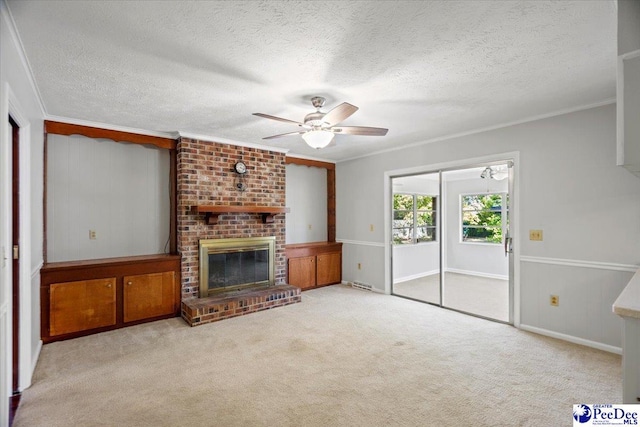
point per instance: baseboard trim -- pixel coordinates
(570, 338)
(416, 276)
(477, 273)
(34, 362)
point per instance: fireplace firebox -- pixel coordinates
(234, 264)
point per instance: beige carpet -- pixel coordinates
(472, 294)
(342, 357)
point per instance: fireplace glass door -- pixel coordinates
(232, 264)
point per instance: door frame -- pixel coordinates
(431, 168)
(10, 105)
(15, 267)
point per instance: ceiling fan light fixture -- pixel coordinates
(317, 138)
(499, 175)
(491, 173)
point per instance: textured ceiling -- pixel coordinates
(423, 69)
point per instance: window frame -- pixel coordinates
(415, 226)
(504, 217)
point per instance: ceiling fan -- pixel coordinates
(319, 128)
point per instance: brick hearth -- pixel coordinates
(198, 311)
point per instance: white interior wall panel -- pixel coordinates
(586, 296)
(119, 190)
(415, 261)
(306, 194)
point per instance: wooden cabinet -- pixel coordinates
(310, 265)
(329, 268)
(85, 297)
(302, 272)
(149, 295)
(84, 304)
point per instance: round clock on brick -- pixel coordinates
(240, 168)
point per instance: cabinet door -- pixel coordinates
(302, 272)
(82, 305)
(329, 268)
(149, 295)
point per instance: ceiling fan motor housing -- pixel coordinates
(315, 119)
(318, 102)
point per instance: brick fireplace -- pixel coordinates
(205, 176)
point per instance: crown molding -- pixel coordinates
(17, 41)
(489, 128)
(316, 159)
(231, 142)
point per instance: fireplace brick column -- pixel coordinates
(205, 177)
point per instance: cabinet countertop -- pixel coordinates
(628, 303)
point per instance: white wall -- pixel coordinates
(570, 187)
(415, 261)
(306, 193)
(18, 96)
(119, 190)
(484, 259)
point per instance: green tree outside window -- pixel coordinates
(482, 217)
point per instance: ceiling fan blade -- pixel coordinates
(285, 134)
(360, 130)
(340, 113)
(280, 119)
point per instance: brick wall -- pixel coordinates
(205, 177)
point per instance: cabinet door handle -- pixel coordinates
(108, 285)
(128, 283)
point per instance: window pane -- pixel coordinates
(403, 215)
(478, 202)
(402, 235)
(403, 202)
(426, 234)
(426, 218)
(482, 218)
(404, 220)
(482, 234)
(424, 202)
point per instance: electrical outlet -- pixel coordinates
(359, 266)
(92, 235)
(554, 300)
(535, 235)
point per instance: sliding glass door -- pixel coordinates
(416, 237)
(451, 239)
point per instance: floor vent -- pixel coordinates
(360, 285)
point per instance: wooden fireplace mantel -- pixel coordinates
(212, 212)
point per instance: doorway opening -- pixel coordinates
(451, 239)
